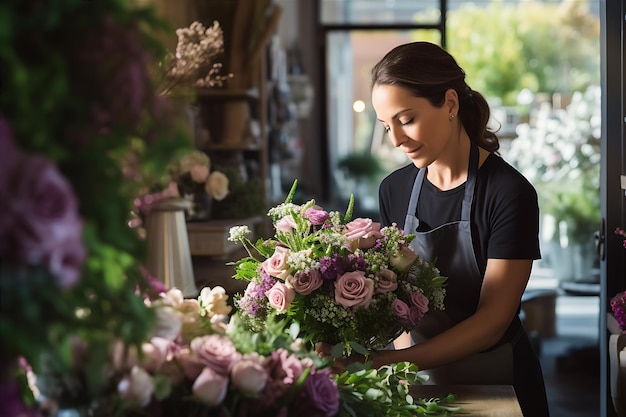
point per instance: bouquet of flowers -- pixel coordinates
(199, 361)
(192, 173)
(344, 281)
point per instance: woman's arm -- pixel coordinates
(504, 283)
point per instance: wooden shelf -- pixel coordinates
(247, 145)
(234, 94)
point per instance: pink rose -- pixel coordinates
(199, 173)
(216, 352)
(286, 224)
(419, 300)
(210, 387)
(280, 297)
(306, 282)
(363, 231)
(155, 353)
(284, 367)
(249, 376)
(387, 281)
(316, 215)
(353, 289)
(400, 309)
(403, 260)
(276, 265)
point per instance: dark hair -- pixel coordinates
(428, 71)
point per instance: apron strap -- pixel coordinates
(470, 185)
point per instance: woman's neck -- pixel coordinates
(450, 169)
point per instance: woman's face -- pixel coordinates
(413, 124)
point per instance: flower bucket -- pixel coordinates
(169, 257)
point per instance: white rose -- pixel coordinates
(168, 324)
(136, 387)
(249, 376)
(210, 387)
(217, 185)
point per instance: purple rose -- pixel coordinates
(316, 215)
(41, 220)
(216, 352)
(66, 260)
(320, 394)
(419, 300)
(415, 315)
(401, 310)
(306, 282)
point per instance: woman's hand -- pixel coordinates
(340, 364)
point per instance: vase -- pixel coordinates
(200, 204)
(169, 256)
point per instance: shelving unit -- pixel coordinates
(236, 120)
(237, 141)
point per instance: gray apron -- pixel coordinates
(450, 247)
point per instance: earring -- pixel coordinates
(452, 116)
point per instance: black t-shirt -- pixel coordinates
(505, 212)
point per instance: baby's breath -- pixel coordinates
(238, 233)
(283, 210)
(302, 261)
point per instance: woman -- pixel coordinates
(472, 213)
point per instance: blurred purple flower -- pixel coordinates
(41, 220)
(320, 395)
(618, 306)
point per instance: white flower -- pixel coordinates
(213, 301)
(136, 387)
(217, 185)
(169, 323)
(238, 233)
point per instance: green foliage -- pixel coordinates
(504, 48)
(244, 199)
(361, 165)
(76, 87)
(385, 391)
